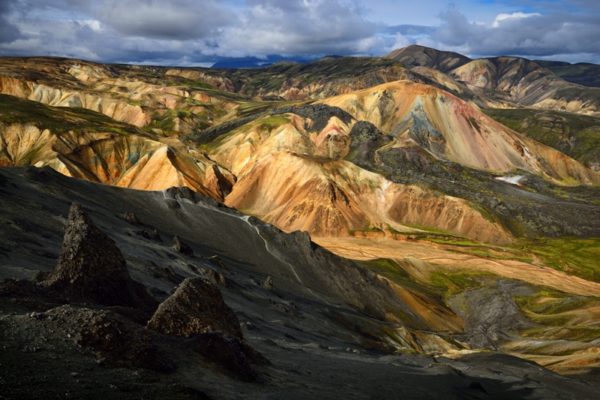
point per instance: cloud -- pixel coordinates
(503, 17)
(407, 29)
(9, 32)
(175, 19)
(192, 30)
(299, 27)
(518, 33)
(200, 31)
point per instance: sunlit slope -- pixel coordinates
(146, 97)
(292, 173)
(525, 82)
(453, 129)
(507, 81)
(86, 145)
(515, 299)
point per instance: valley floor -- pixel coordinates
(453, 258)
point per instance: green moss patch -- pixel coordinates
(576, 256)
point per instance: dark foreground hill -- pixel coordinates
(317, 319)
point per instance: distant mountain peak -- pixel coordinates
(421, 56)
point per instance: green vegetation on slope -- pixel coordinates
(461, 245)
(575, 256)
(581, 73)
(272, 79)
(451, 283)
(561, 316)
(59, 119)
(274, 121)
(580, 257)
(441, 284)
(575, 135)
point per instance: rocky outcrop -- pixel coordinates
(196, 307)
(182, 247)
(111, 336)
(92, 269)
(197, 311)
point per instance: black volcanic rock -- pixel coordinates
(112, 336)
(213, 276)
(230, 353)
(182, 247)
(320, 114)
(268, 283)
(130, 217)
(149, 233)
(366, 139)
(91, 267)
(196, 307)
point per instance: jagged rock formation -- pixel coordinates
(92, 269)
(213, 276)
(196, 307)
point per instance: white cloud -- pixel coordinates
(502, 17)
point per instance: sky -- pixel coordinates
(202, 32)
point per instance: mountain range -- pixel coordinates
(420, 213)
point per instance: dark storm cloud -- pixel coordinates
(176, 19)
(9, 32)
(156, 19)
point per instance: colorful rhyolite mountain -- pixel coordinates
(441, 174)
(278, 162)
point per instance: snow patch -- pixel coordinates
(512, 179)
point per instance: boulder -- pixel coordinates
(196, 307)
